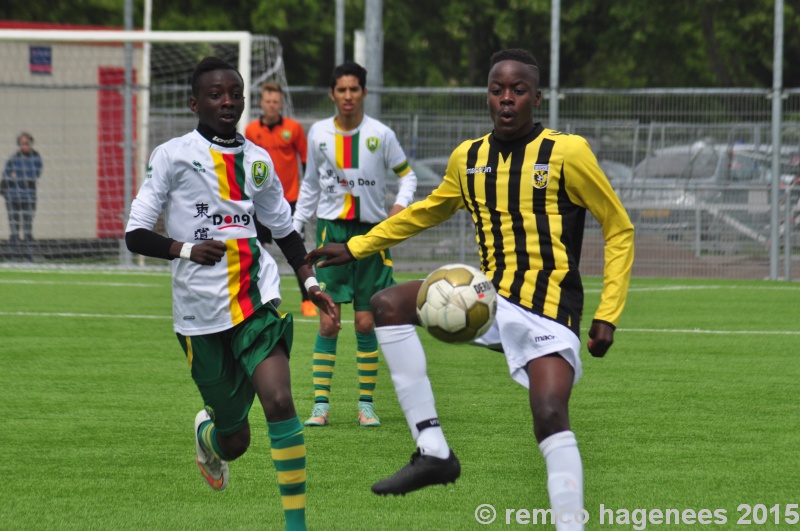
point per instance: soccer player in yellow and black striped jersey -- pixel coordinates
(527, 189)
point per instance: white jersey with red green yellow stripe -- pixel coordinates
(211, 192)
(345, 177)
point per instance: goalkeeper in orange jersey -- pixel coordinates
(528, 189)
(284, 140)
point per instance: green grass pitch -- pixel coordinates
(695, 407)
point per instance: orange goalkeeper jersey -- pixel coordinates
(284, 141)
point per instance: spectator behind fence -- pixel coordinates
(18, 186)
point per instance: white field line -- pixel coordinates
(788, 287)
(88, 270)
(59, 283)
(720, 332)
(122, 316)
(293, 287)
(348, 321)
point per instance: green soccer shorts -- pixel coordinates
(357, 281)
(223, 363)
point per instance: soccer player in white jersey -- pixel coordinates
(211, 183)
(344, 184)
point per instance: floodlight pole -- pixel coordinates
(125, 256)
(555, 39)
(339, 32)
(777, 82)
(373, 28)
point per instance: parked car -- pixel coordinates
(703, 161)
(618, 174)
(728, 184)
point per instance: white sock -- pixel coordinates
(408, 367)
(564, 479)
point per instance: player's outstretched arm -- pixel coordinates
(601, 337)
(322, 300)
(334, 254)
(294, 250)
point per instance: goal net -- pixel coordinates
(96, 103)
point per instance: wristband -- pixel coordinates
(310, 283)
(186, 251)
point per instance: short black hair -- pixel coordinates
(514, 54)
(349, 68)
(209, 64)
(24, 134)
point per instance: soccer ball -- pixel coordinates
(456, 303)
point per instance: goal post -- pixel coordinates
(96, 115)
(242, 38)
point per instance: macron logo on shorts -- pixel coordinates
(540, 339)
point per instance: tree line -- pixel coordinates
(608, 44)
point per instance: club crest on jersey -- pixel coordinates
(373, 144)
(541, 175)
(260, 172)
(286, 135)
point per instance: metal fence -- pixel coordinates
(716, 228)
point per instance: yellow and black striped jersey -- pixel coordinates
(528, 199)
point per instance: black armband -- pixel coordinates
(294, 249)
(148, 243)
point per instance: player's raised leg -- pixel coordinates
(212, 467)
(225, 436)
(433, 462)
(551, 378)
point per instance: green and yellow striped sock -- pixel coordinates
(288, 450)
(322, 367)
(208, 438)
(367, 363)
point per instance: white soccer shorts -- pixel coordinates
(525, 336)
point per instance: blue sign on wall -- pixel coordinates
(41, 60)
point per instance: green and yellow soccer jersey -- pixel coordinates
(345, 177)
(210, 192)
(528, 200)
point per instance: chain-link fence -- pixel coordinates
(692, 166)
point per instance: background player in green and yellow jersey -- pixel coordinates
(349, 156)
(528, 189)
